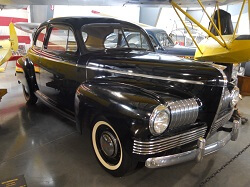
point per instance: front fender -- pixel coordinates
(127, 107)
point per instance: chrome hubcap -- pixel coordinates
(108, 144)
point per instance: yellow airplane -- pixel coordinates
(218, 47)
(6, 46)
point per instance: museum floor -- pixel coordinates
(44, 147)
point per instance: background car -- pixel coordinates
(159, 39)
(164, 44)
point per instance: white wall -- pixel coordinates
(130, 13)
(168, 20)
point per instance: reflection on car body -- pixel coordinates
(140, 106)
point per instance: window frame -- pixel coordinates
(170, 41)
(49, 30)
(119, 25)
(38, 33)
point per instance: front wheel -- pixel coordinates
(29, 97)
(109, 151)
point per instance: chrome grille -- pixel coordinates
(183, 112)
(221, 121)
(157, 146)
(224, 105)
(226, 100)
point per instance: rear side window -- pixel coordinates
(40, 38)
(62, 39)
(113, 36)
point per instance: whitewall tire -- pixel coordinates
(109, 150)
(107, 165)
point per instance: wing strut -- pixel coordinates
(197, 23)
(218, 14)
(187, 30)
(249, 16)
(211, 21)
(210, 25)
(237, 24)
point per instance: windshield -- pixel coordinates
(164, 39)
(100, 37)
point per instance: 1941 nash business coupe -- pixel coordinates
(138, 105)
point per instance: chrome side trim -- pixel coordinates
(157, 146)
(144, 75)
(196, 154)
(183, 112)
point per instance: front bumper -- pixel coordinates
(196, 154)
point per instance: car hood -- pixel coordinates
(157, 66)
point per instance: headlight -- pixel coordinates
(159, 120)
(235, 95)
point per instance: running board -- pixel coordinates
(47, 101)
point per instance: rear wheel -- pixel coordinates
(29, 96)
(108, 149)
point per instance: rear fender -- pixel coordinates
(28, 77)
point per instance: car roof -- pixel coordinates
(155, 30)
(79, 21)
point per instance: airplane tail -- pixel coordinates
(13, 37)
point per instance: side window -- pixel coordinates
(71, 43)
(137, 40)
(62, 40)
(153, 41)
(111, 40)
(40, 38)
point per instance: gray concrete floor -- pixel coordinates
(44, 147)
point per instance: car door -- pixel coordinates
(58, 59)
(35, 50)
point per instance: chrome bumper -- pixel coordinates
(196, 154)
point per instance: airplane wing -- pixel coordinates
(13, 37)
(27, 27)
(6, 46)
(185, 3)
(5, 51)
(2, 6)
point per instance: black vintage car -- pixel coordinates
(140, 106)
(164, 44)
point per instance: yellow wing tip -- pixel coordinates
(13, 37)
